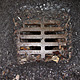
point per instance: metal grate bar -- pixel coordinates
(40, 36)
(29, 44)
(30, 36)
(42, 28)
(36, 51)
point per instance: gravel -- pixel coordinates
(9, 68)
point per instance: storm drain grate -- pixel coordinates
(41, 38)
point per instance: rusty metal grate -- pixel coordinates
(40, 38)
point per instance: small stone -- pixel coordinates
(63, 9)
(74, 64)
(36, 6)
(66, 75)
(76, 33)
(7, 52)
(0, 67)
(24, 6)
(46, 8)
(40, 6)
(20, 7)
(3, 72)
(42, 9)
(50, 71)
(19, 18)
(68, 10)
(43, 4)
(78, 72)
(24, 59)
(55, 5)
(58, 7)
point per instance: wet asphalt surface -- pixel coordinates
(9, 67)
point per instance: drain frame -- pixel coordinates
(42, 36)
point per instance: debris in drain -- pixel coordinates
(41, 36)
(25, 48)
(15, 23)
(48, 58)
(52, 58)
(3, 72)
(24, 59)
(38, 57)
(55, 58)
(59, 46)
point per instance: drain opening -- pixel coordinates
(53, 32)
(30, 33)
(53, 47)
(51, 25)
(30, 48)
(54, 40)
(32, 25)
(30, 40)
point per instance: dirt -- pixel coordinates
(9, 67)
